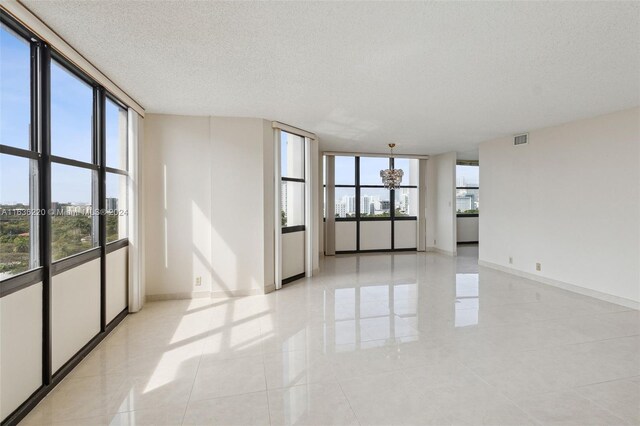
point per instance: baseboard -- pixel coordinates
(177, 296)
(445, 252)
(564, 285)
(209, 294)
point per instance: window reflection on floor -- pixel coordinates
(467, 300)
(374, 312)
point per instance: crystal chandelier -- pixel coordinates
(391, 178)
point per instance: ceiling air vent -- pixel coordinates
(521, 139)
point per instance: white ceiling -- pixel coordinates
(432, 77)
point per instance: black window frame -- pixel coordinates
(358, 218)
(294, 228)
(111, 245)
(42, 55)
(468, 187)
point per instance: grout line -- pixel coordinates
(266, 388)
(348, 402)
(507, 397)
(596, 403)
(195, 376)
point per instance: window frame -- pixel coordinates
(31, 276)
(112, 98)
(358, 218)
(42, 57)
(39, 149)
(294, 228)
(475, 164)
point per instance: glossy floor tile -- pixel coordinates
(411, 338)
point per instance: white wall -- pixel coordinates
(441, 214)
(75, 310)
(242, 213)
(569, 200)
(20, 347)
(292, 254)
(467, 229)
(177, 188)
(345, 236)
(405, 234)
(375, 235)
(208, 205)
(117, 271)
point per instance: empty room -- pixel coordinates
(319, 213)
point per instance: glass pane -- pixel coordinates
(410, 168)
(406, 202)
(345, 170)
(18, 220)
(467, 176)
(467, 201)
(345, 202)
(292, 202)
(291, 155)
(72, 222)
(15, 86)
(116, 135)
(375, 202)
(71, 115)
(116, 206)
(370, 170)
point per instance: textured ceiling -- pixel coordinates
(431, 77)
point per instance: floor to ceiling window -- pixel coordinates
(18, 159)
(292, 200)
(63, 215)
(467, 201)
(370, 217)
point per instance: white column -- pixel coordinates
(422, 206)
(135, 207)
(278, 207)
(330, 225)
(308, 207)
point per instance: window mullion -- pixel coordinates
(41, 104)
(100, 158)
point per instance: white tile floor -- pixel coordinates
(374, 339)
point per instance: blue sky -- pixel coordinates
(71, 121)
(469, 173)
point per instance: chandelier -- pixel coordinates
(391, 178)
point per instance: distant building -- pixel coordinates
(283, 196)
(112, 204)
(365, 204)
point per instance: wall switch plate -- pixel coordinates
(538, 266)
(198, 281)
(510, 260)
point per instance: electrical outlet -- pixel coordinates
(198, 281)
(538, 267)
(510, 260)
